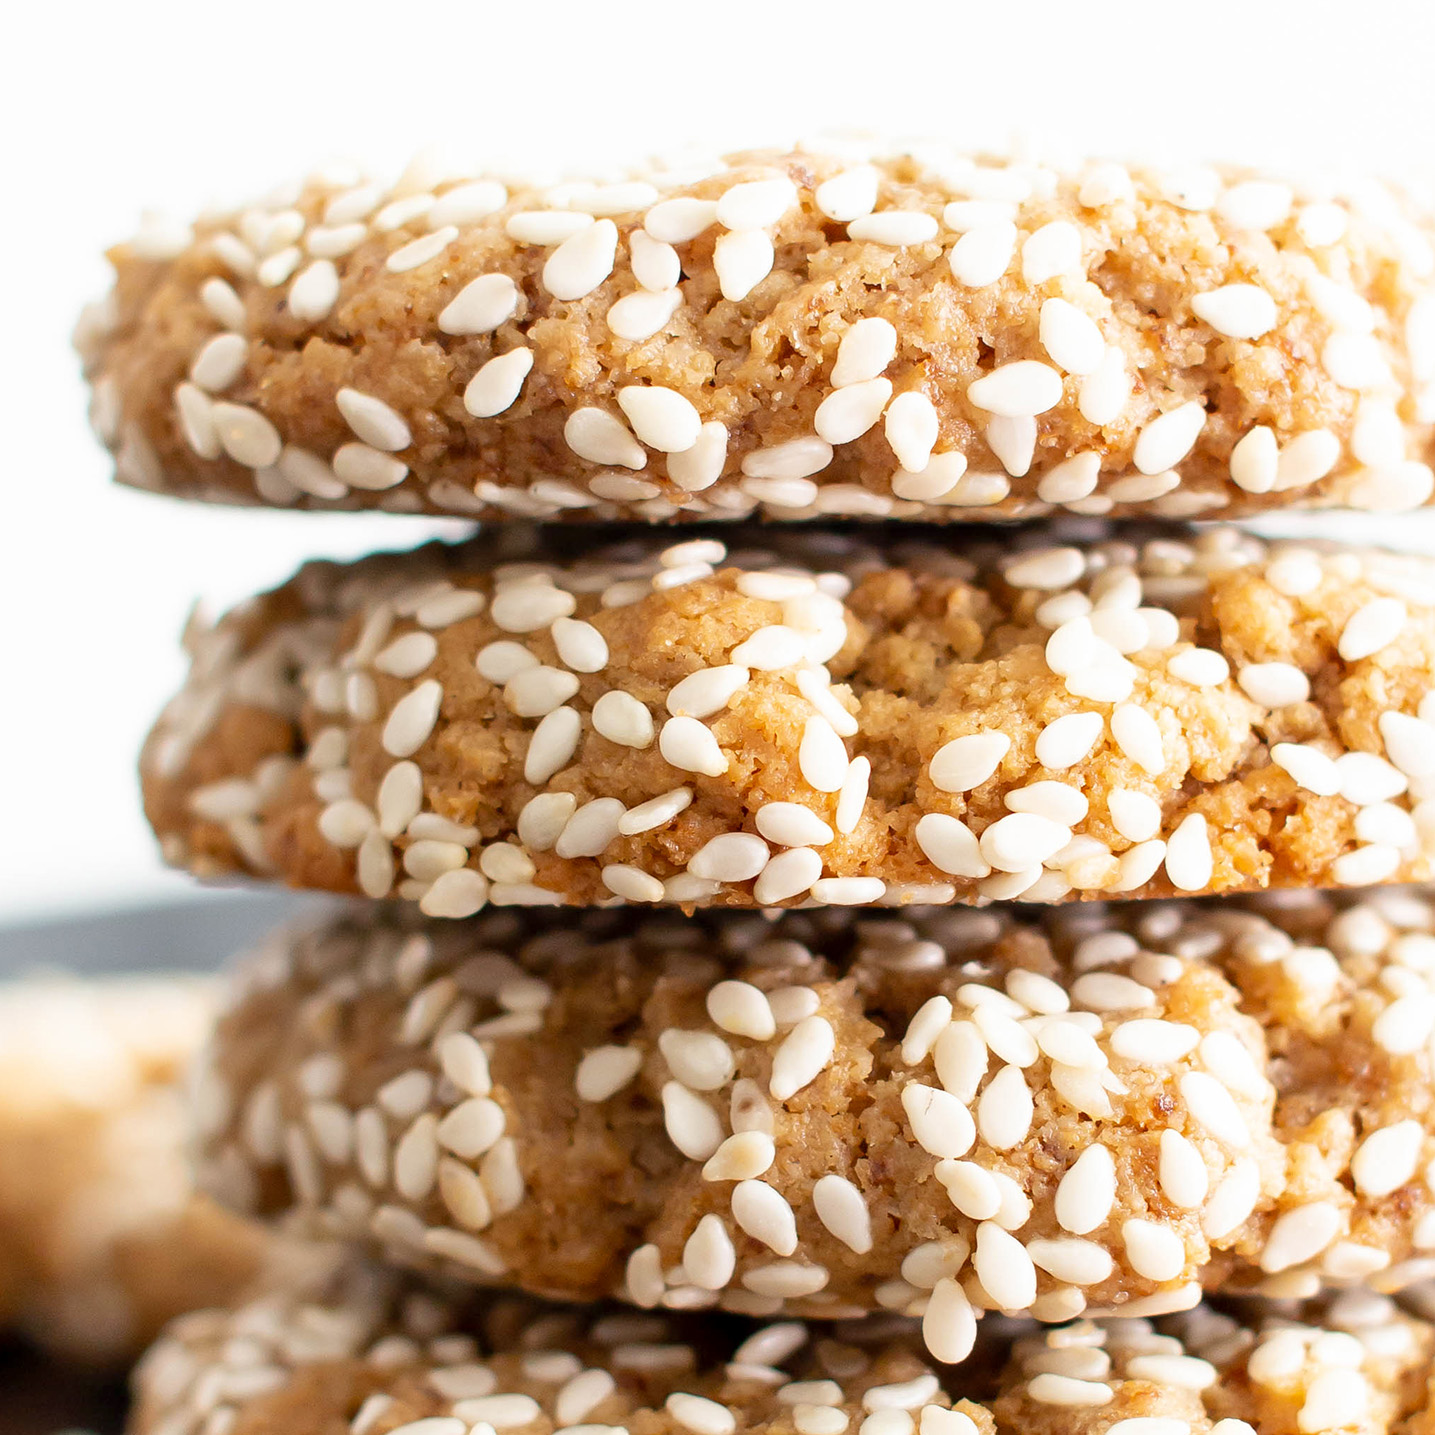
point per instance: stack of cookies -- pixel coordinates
(957, 951)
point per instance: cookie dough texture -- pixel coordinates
(102, 1237)
(797, 334)
(377, 1363)
(943, 1113)
(801, 716)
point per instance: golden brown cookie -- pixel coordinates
(381, 1361)
(102, 1237)
(797, 334)
(940, 1113)
(804, 716)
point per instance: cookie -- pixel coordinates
(385, 1362)
(102, 1237)
(1054, 713)
(1095, 1109)
(791, 334)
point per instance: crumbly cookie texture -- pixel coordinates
(928, 335)
(386, 1362)
(1059, 713)
(942, 1114)
(102, 1237)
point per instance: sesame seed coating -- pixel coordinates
(655, 349)
(373, 1355)
(102, 1236)
(1093, 1108)
(1058, 714)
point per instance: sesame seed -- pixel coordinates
(360, 466)
(967, 762)
(373, 420)
(1274, 685)
(412, 719)
(789, 824)
(700, 466)
(1153, 1251)
(1213, 1108)
(1167, 439)
(621, 718)
(822, 755)
(911, 428)
(1386, 1159)
(981, 256)
(1201, 667)
(643, 313)
(1017, 390)
(847, 413)
(949, 1325)
(708, 1255)
(582, 261)
(1085, 1193)
(1071, 480)
(686, 744)
(220, 362)
(656, 812)
(864, 352)
(941, 1124)
(842, 1210)
(801, 1057)
(927, 1024)
(764, 1214)
(1308, 766)
(1104, 391)
(662, 418)
(1004, 1113)
(529, 607)
(1066, 740)
(591, 828)
(1134, 815)
(730, 857)
(797, 458)
(246, 435)
(1355, 361)
(1236, 311)
(770, 648)
(223, 303)
(897, 227)
(786, 875)
(601, 437)
(605, 1071)
(742, 259)
(692, 1125)
(1053, 249)
(744, 1155)
(1188, 855)
(755, 204)
(676, 221)
(551, 747)
(852, 796)
(1021, 841)
(743, 1009)
(421, 251)
(1004, 1268)
(1299, 1235)
(1138, 735)
(480, 306)
(656, 265)
(1047, 569)
(1370, 628)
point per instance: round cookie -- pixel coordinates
(795, 334)
(102, 1237)
(809, 717)
(943, 1113)
(386, 1362)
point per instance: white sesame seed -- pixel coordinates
(1152, 1250)
(1017, 390)
(708, 1255)
(756, 204)
(551, 747)
(1306, 458)
(375, 866)
(656, 812)
(1004, 1268)
(643, 313)
(455, 894)
(743, 1156)
(1134, 815)
(676, 221)
(1065, 1390)
(1274, 685)
(346, 823)
(949, 1326)
(790, 824)
(795, 459)
(1182, 1172)
(1366, 866)
(786, 875)
(981, 256)
(1053, 249)
(1386, 1159)
(692, 1125)
(927, 1024)
(764, 1214)
(967, 762)
(1085, 1193)
(769, 649)
(1066, 740)
(1138, 735)
(223, 303)
(847, 413)
(582, 261)
(849, 195)
(1070, 337)
(700, 466)
(360, 466)
(864, 352)
(605, 1071)
(246, 435)
(621, 718)
(849, 891)
(1021, 841)
(1212, 1107)
(220, 362)
(742, 259)
(1168, 438)
(1046, 569)
(601, 437)
(481, 306)
(1299, 1235)
(822, 755)
(941, 1124)
(1370, 628)
(1104, 391)
(707, 691)
(195, 410)
(843, 1211)
(852, 796)
(1005, 1110)
(1188, 854)
(1071, 480)
(1255, 461)
(1310, 767)
(1355, 361)
(591, 828)
(373, 420)
(662, 418)
(421, 251)
(687, 744)
(536, 691)
(972, 1189)
(911, 428)
(407, 656)
(896, 227)
(412, 719)
(801, 1057)
(730, 857)
(1237, 311)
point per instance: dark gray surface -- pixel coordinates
(193, 935)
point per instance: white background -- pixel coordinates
(110, 108)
